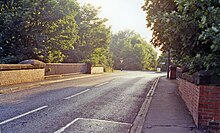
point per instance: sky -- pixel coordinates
(123, 14)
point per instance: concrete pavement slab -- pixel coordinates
(167, 112)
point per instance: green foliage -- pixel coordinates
(36, 29)
(137, 54)
(189, 28)
(94, 38)
(162, 61)
(53, 31)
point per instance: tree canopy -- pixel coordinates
(64, 31)
(136, 53)
(189, 29)
(36, 29)
(53, 31)
(94, 38)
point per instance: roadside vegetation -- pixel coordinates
(189, 29)
(135, 52)
(57, 31)
(53, 31)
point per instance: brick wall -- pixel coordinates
(209, 107)
(190, 95)
(19, 73)
(203, 103)
(65, 68)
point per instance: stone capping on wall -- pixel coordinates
(66, 64)
(6, 67)
(199, 78)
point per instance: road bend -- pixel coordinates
(102, 104)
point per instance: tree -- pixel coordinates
(94, 38)
(120, 47)
(136, 53)
(61, 33)
(189, 29)
(36, 29)
(162, 61)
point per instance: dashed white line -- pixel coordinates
(101, 84)
(76, 94)
(22, 115)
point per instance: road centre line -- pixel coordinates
(72, 122)
(101, 84)
(76, 94)
(22, 115)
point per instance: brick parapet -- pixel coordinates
(190, 94)
(65, 68)
(8, 77)
(203, 103)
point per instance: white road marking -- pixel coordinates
(61, 80)
(1, 94)
(72, 122)
(76, 94)
(106, 121)
(101, 84)
(153, 87)
(140, 118)
(69, 124)
(22, 115)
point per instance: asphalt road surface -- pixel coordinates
(103, 104)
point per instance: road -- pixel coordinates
(103, 104)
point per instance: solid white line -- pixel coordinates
(76, 94)
(151, 91)
(114, 122)
(72, 122)
(155, 85)
(140, 118)
(101, 84)
(69, 124)
(68, 79)
(22, 115)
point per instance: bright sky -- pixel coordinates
(123, 14)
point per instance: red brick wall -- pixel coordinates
(203, 102)
(209, 106)
(190, 94)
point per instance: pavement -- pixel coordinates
(167, 112)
